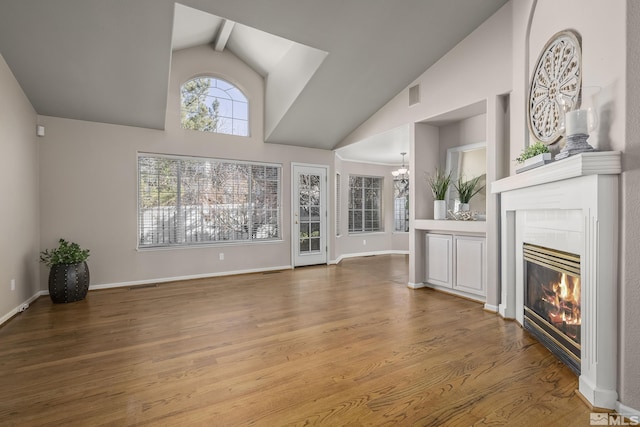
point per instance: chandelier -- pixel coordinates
(401, 173)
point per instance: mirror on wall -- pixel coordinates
(466, 162)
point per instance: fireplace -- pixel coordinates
(572, 206)
(552, 301)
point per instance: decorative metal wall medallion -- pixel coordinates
(555, 85)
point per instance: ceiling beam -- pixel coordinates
(223, 35)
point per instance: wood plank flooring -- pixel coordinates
(324, 345)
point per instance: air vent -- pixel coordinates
(414, 95)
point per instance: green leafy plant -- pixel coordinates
(65, 253)
(467, 189)
(439, 183)
(532, 151)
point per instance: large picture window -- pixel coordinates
(190, 201)
(208, 104)
(365, 204)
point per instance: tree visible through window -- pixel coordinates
(214, 105)
(186, 201)
(365, 203)
(401, 204)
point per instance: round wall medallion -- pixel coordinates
(555, 86)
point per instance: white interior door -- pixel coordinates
(309, 215)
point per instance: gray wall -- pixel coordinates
(368, 243)
(89, 182)
(89, 186)
(19, 246)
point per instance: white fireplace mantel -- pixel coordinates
(569, 205)
(593, 163)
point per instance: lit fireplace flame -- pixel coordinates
(566, 300)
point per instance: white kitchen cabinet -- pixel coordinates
(469, 260)
(457, 263)
(439, 259)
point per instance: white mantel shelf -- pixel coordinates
(451, 226)
(594, 163)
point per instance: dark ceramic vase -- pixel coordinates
(68, 282)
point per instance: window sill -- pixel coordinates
(206, 245)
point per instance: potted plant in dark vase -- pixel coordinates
(69, 272)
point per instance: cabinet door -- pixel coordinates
(470, 264)
(439, 259)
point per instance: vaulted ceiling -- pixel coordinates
(108, 61)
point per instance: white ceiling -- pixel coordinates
(262, 51)
(384, 148)
(108, 61)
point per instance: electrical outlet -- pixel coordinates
(221, 256)
(13, 284)
(364, 242)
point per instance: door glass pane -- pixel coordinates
(315, 214)
(309, 220)
(315, 229)
(304, 213)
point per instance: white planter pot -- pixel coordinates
(439, 209)
(534, 162)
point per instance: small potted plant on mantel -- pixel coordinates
(533, 156)
(439, 183)
(466, 190)
(69, 272)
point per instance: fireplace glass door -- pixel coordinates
(552, 301)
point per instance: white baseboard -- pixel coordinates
(22, 307)
(627, 411)
(416, 285)
(492, 308)
(472, 297)
(363, 254)
(190, 277)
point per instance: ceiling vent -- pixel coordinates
(414, 95)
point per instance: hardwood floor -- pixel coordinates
(324, 345)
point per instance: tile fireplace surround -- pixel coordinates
(570, 205)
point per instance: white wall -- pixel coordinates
(88, 190)
(479, 67)
(467, 131)
(89, 182)
(19, 247)
(350, 244)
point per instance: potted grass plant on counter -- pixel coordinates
(439, 183)
(466, 190)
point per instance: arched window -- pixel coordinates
(209, 104)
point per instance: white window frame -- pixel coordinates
(362, 210)
(338, 204)
(211, 219)
(228, 93)
(400, 207)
